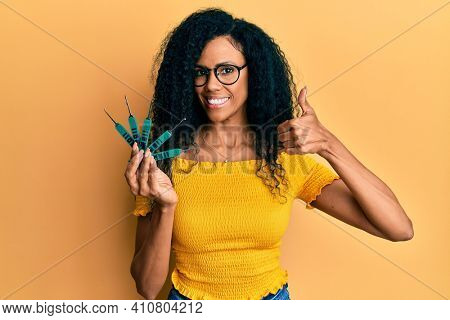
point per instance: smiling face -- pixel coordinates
(223, 103)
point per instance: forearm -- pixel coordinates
(378, 202)
(151, 263)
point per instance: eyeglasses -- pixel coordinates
(226, 74)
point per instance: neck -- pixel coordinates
(230, 133)
(226, 136)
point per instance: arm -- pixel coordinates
(337, 201)
(360, 198)
(150, 264)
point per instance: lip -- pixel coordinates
(216, 106)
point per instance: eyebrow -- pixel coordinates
(218, 64)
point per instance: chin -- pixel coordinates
(217, 116)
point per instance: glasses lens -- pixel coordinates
(200, 77)
(227, 74)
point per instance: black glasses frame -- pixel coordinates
(216, 74)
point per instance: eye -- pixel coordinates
(226, 69)
(200, 72)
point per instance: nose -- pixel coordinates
(212, 84)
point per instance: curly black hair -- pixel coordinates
(271, 88)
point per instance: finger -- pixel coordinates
(310, 147)
(297, 150)
(303, 102)
(284, 126)
(291, 151)
(135, 160)
(134, 150)
(289, 135)
(152, 182)
(131, 172)
(290, 144)
(143, 177)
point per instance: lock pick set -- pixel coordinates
(142, 138)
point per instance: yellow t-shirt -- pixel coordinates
(227, 226)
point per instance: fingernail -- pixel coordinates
(306, 90)
(147, 152)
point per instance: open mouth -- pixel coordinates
(215, 103)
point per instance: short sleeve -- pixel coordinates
(317, 176)
(142, 206)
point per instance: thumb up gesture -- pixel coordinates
(304, 134)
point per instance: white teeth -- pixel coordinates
(218, 101)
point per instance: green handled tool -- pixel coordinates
(146, 127)
(169, 153)
(132, 122)
(163, 138)
(122, 131)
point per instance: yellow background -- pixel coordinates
(66, 231)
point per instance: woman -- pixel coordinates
(223, 206)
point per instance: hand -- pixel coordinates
(304, 134)
(146, 179)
